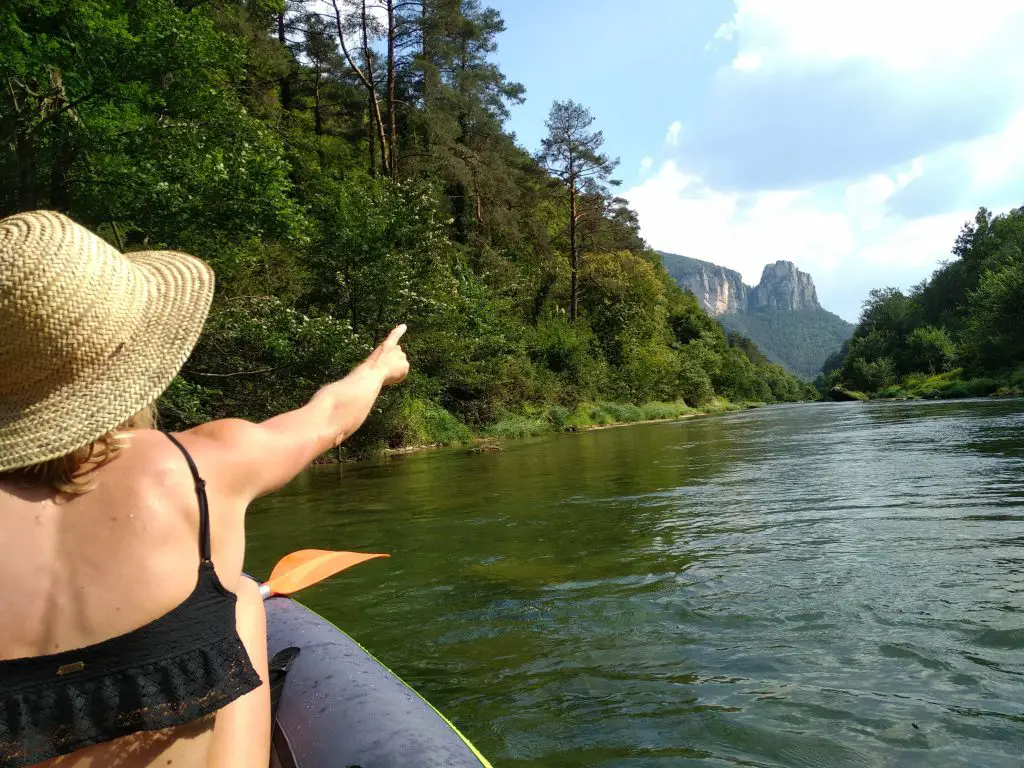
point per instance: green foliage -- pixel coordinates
(870, 375)
(190, 126)
(693, 382)
(426, 423)
(626, 413)
(588, 415)
(953, 385)
(930, 349)
(799, 340)
(518, 426)
(662, 411)
(969, 315)
(995, 327)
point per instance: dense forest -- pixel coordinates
(344, 167)
(959, 334)
(799, 339)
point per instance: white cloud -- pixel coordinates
(999, 158)
(854, 139)
(847, 235)
(904, 35)
(679, 213)
(672, 137)
(645, 164)
(818, 91)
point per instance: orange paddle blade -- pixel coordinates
(306, 567)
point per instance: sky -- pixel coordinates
(852, 138)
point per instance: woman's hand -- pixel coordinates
(389, 359)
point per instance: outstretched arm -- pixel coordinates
(255, 459)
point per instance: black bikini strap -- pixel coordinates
(204, 508)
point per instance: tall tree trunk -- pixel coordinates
(573, 255)
(365, 77)
(286, 81)
(373, 138)
(372, 102)
(371, 86)
(392, 121)
(425, 52)
(372, 97)
(425, 31)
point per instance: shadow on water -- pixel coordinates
(822, 585)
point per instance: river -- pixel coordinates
(813, 585)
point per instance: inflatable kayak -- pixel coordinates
(336, 705)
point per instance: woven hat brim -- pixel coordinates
(180, 291)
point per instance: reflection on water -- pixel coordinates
(821, 585)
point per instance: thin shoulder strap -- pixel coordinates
(204, 507)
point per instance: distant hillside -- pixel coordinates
(800, 340)
(781, 314)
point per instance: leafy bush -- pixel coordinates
(426, 423)
(623, 412)
(661, 411)
(518, 426)
(930, 349)
(558, 416)
(588, 415)
(693, 383)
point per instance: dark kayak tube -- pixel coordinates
(341, 707)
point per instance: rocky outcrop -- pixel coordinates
(720, 291)
(781, 315)
(783, 286)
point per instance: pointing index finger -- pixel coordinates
(396, 335)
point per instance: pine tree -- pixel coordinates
(572, 154)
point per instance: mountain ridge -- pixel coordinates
(781, 314)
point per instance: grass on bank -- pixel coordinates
(952, 385)
(418, 423)
(589, 415)
(423, 423)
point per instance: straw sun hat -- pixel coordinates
(88, 336)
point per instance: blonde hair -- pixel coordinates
(73, 473)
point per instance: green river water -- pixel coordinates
(815, 585)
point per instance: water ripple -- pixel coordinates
(829, 585)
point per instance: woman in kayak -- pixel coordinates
(128, 635)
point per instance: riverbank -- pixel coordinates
(437, 428)
(954, 386)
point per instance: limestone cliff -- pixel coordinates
(783, 286)
(719, 290)
(781, 314)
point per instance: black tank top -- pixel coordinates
(188, 663)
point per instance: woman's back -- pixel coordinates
(103, 564)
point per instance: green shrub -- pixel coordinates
(518, 426)
(693, 383)
(422, 422)
(588, 415)
(893, 391)
(981, 387)
(558, 416)
(624, 413)
(661, 411)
